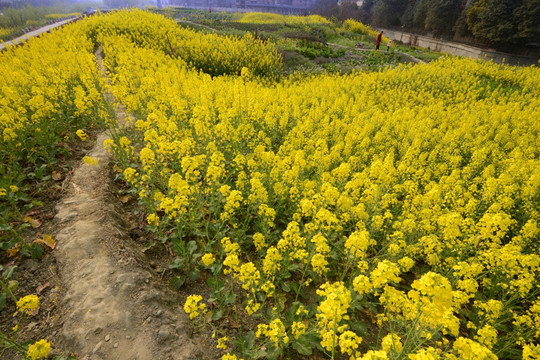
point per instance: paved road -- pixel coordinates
(33, 33)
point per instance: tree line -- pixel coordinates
(497, 23)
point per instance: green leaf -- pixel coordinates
(281, 301)
(191, 247)
(148, 246)
(215, 283)
(229, 298)
(194, 275)
(302, 346)
(286, 287)
(359, 327)
(217, 314)
(23, 226)
(250, 339)
(294, 267)
(37, 251)
(273, 353)
(9, 272)
(179, 246)
(3, 298)
(176, 282)
(216, 268)
(178, 263)
(13, 285)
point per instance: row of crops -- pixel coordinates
(387, 215)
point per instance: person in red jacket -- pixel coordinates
(378, 41)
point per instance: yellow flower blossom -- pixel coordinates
(208, 259)
(81, 134)
(90, 161)
(298, 329)
(39, 350)
(28, 303)
(192, 306)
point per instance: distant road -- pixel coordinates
(33, 33)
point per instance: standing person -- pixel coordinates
(388, 45)
(378, 41)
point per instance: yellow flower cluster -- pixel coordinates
(90, 160)
(214, 54)
(51, 88)
(4, 32)
(39, 350)
(28, 303)
(414, 188)
(208, 259)
(192, 306)
(359, 28)
(275, 331)
(61, 16)
(49, 78)
(269, 18)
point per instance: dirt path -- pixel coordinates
(182, 21)
(114, 306)
(41, 30)
(409, 57)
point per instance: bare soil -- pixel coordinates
(101, 296)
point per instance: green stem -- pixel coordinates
(6, 288)
(347, 267)
(11, 343)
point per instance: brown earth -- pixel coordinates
(101, 296)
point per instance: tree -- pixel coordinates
(366, 8)
(527, 17)
(438, 16)
(348, 10)
(327, 8)
(388, 12)
(441, 15)
(420, 13)
(408, 15)
(494, 20)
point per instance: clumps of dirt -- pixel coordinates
(100, 296)
(39, 276)
(114, 305)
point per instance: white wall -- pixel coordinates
(457, 48)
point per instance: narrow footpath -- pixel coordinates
(115, 306)
(33, 33)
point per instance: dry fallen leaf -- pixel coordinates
(233, 323)
(47, 241)
(33, 313)
(32, 212)
(13, 251)
(34, 222)
(40, 288)
(125, 199)
(56, 176)
(208, 316)
(12, 262)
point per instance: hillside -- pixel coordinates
(246, 186)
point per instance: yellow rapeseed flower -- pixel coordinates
(39, 350)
